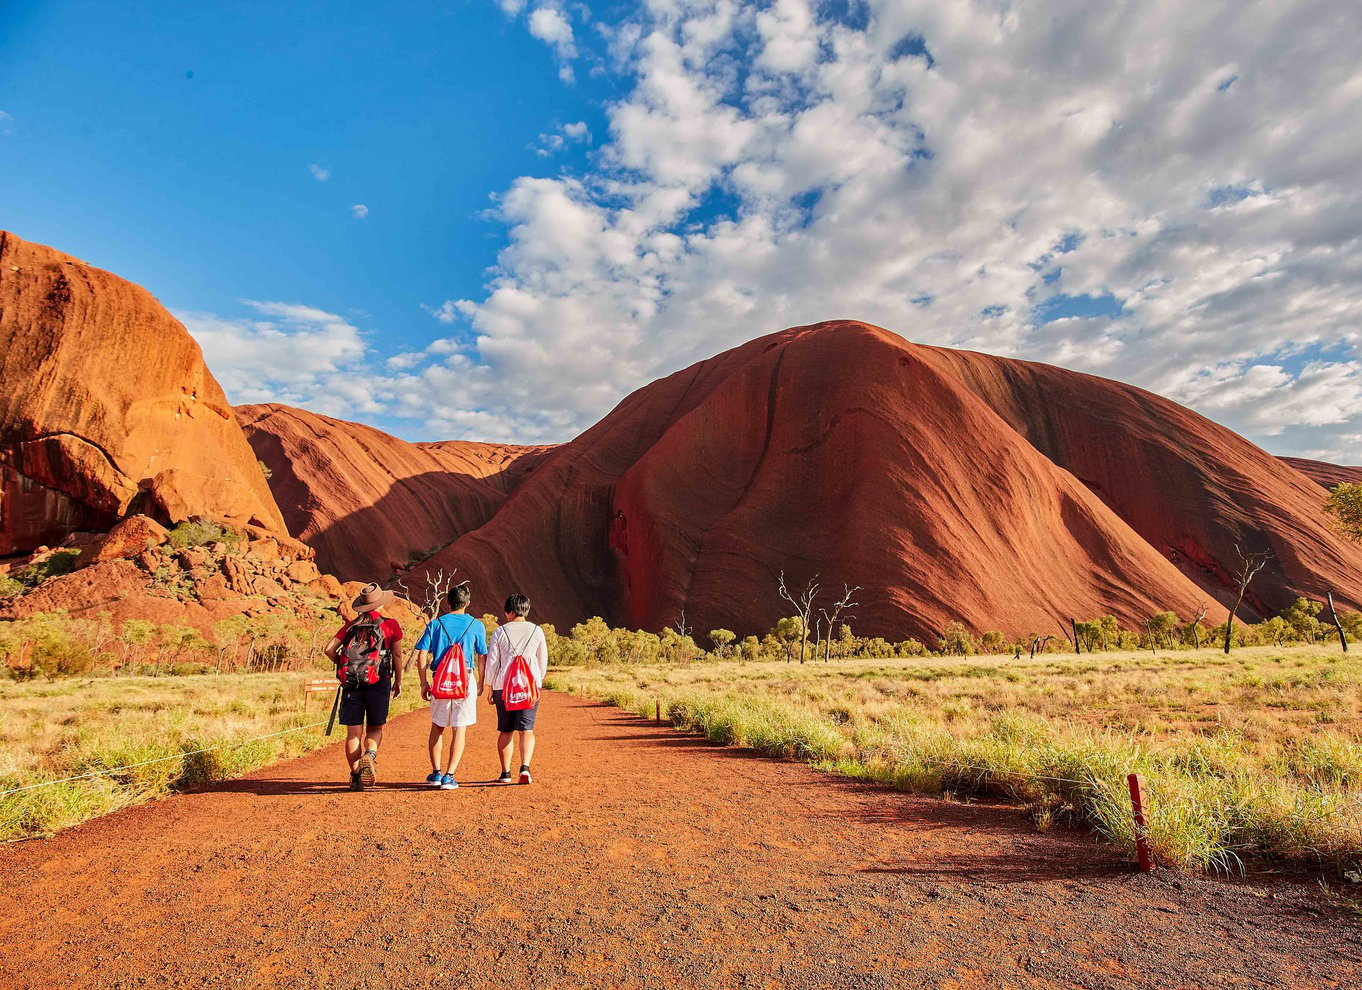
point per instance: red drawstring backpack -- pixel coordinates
(451, 675)
(519, 691)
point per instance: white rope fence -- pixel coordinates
(161, 759)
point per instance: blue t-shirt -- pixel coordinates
(451, 628)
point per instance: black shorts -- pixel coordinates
(517, 721)
(366, 705)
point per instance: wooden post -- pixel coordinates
(1136, 783)
(1073, 624)
(1333, 614)
(657, 712)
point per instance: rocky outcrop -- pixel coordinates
(1325, 474)
(106, 409)
(369, 503)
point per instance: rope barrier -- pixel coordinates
(161, 759)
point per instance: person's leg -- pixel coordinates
(455, 753)
(437, 734)
(504, 740)
(526, 747)
(372, 738)
(354, 738)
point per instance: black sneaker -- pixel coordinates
(525, 777)
(505, 777)
(356, 784)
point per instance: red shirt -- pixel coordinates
(392, 632)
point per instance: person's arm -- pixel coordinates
(333, 649)
(541, 660)
(493, 665)
(421, 658)
(397, 667)
(482, 672)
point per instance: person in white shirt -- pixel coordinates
(516, 637)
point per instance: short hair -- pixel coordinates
(518, 604)
(460, 595)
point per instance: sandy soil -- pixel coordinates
(639, 857)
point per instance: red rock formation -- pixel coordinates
(106, 408)
(368, 502)
(1324, 473)
(949, 485)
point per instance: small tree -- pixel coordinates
(788, 631)
(1250, 564)
(1160, 626)
(721, 638)
(1345, 505)
(1302, 616)
(994, 642)
(956, 640)
(803, 604)
(835, 616)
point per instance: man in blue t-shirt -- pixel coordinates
(456, 628)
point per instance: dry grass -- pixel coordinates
(62, 728)
(1254, 758)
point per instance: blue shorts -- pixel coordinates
(517, 721)
(366, 705)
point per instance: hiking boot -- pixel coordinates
(356, 784)
(435, 779)
(449, 783)
(368, 767)
(505, 777)
(525, 777)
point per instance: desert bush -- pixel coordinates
(53, 564)
(957, 641)
(200, 532)
(9, 586)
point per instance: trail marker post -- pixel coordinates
(657, 712)
(1136, 783)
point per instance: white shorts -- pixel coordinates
(446, 712)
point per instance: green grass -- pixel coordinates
(68, 727)
(1252, 760)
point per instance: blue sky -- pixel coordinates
(492, 219)
(175, 148)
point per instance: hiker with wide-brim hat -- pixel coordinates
(368, 656)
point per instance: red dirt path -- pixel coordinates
(662, 861)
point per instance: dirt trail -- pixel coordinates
(662, 861)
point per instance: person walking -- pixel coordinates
(368, 656)
(455, 637)
(517, 637)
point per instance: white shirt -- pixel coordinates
(509, 641)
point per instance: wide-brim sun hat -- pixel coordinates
(372, 596)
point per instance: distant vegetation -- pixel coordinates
(1345, 504)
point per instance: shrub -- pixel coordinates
(198, 532)
(56, 563)
(9, 587)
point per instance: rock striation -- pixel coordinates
(107, 409)
(1325, 474)
(369, 503)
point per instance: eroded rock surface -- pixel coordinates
(106, 408)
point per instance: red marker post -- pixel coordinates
(1136, 783)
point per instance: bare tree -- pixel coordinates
(1039, 643)
(1196, 626)
(803, 605)
(682, 629)
(1249, 566)
(430, 599)
(835, 616)
(1333, 614)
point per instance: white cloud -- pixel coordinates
(577, 131)
(551, 26)
(511, 7)
(942, 170)
(920, 173)
(359, 211)
(319, 173)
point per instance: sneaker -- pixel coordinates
(505, 777)
(449, 783)
(525, 777)
(435, 779)
(356, 784)
(368, 767)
